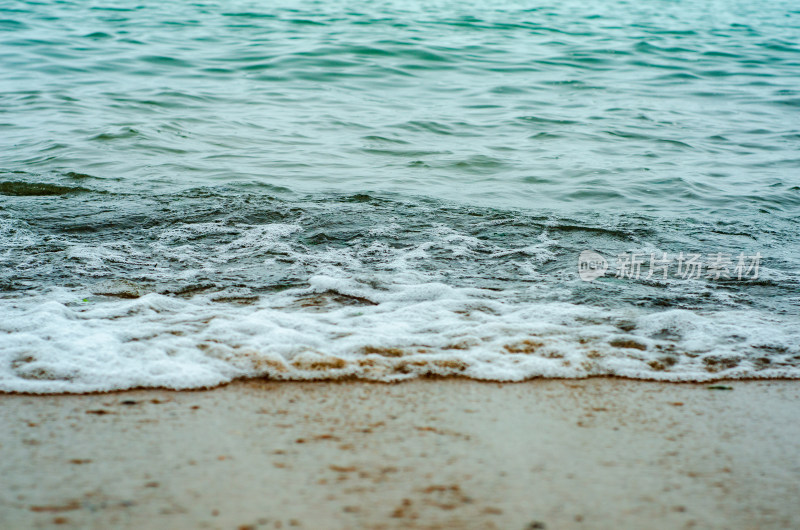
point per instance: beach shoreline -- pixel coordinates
(444, 453)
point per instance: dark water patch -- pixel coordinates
(249, 15)
(162, 60)
(546, 121)
(383, 139)
(78, 176)
(123, 133)
(546, 136)
(120, 9)
(36, 189)
(305, 22)
(9, 24)
(428, 126)
(98, 35)
(789, 102)
(406, 153)
(480, 164)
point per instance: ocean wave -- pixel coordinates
(341, 328)
(203, 286)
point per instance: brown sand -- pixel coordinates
(600, 453)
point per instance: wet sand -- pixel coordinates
(599, 453)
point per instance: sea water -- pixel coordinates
(197, 191)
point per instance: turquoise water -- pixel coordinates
(192, 192)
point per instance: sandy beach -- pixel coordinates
(597, 453)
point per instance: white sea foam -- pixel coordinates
(59, 343)
(214, 301)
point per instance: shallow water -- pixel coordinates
(196, 192)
